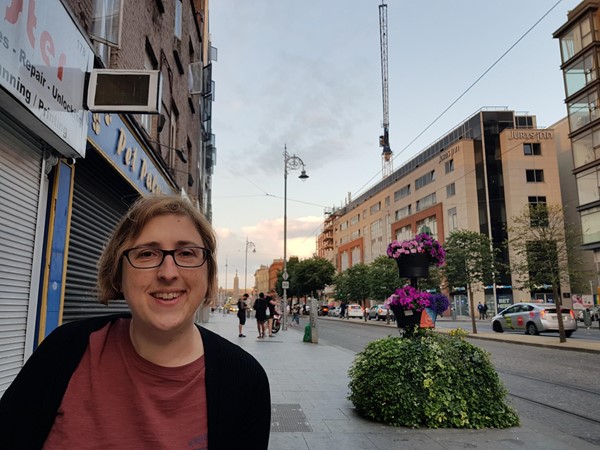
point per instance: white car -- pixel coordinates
(334, 312)
(354, 310)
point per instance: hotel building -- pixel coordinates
(476, 177)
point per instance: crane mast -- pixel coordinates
(387, 162)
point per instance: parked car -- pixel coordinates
(334, 312)
(594, 313)
(354, 310)
(533, 318)
(379, 312)
(323, 310)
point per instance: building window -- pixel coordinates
(583, 110)
(377, 238)
(178, 12)
(344, 261)
(534, 175)
(343, 226)
(426, 202)
(590, 225)
(451, 190)
(375, 208)
(404, 233)
(576, 39)
(580, 74)
(586, 149)
(532, 148)
(449, 166)
(429, 222)
(425, 180)
(403, 212)
(106, 22)
(538, 213)
(452, 219)
(387, 201)
(588, 185)
(172, 138)
(401, 193)
(355, 235)
(354, 220)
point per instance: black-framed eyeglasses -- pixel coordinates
(150, 257)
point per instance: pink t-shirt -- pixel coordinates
(117, 399)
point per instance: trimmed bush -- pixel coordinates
(430, 380)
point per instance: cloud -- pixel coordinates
(267, 237)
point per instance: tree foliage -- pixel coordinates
(470, 263)
(312, 275)
(352, 285)
(382, 278)
(542, 247)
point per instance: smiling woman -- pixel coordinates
(152, 377)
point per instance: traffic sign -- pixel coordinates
(285, 285)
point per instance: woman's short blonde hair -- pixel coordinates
(129, 228)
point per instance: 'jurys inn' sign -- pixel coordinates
(531, 134)
(448, 153)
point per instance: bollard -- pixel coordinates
(306, 337)
(453, 314)
(587, 318)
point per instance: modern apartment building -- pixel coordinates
(579, 41)
(476, 177)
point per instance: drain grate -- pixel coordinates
(288, 417)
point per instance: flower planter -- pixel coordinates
(415, 265)
(406, 318)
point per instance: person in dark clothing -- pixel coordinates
(343, 307)
(241, 313)
(260, 306)
(151, 378)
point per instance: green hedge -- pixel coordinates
(429, 380)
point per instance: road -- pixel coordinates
(546, 386)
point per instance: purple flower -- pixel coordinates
(421, 243)
(439, 303)
(409, 298)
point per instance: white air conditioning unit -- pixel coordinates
(124, 91)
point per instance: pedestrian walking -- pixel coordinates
(150, 378)
(343, 307)
(485, 310)
(242, 307)
(296, 314)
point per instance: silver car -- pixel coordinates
(533, 318)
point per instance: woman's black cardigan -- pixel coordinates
(237, 390)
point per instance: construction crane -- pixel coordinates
(387, 160)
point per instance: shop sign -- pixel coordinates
(43, 62)
(112, 137)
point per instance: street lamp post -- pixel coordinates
(249, 245)
(289, 163)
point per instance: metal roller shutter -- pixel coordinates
(100, 198)
(20, 175)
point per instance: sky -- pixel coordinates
(306, 76)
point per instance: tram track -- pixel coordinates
(594, 399)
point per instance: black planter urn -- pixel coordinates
(406, 318)
(413, 265)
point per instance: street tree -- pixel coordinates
(312, 275)
(542, 247)
(470, 264)
(383, 278)
(353, 284)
